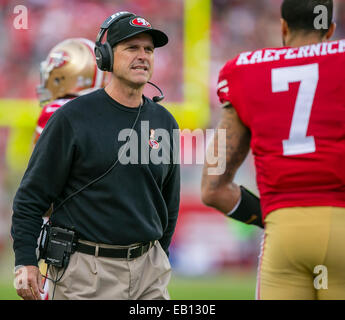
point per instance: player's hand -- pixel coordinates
(28, 283)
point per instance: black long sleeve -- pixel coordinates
(171, 193)
(135, 202)
(42, 182)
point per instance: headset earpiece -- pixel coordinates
(110, 61)
(104, 57)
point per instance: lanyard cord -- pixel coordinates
(106, 172)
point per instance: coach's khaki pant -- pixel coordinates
(303, 254)
(90, 277)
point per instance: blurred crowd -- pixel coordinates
(237, 25)
(50, 22)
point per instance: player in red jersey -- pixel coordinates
(70, 70)
(288, 105)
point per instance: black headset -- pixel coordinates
(104, 52)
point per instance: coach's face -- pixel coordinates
(134, 59)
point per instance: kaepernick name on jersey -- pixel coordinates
(268, 55)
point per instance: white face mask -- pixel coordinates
(42, 92)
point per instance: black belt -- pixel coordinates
(127, 253)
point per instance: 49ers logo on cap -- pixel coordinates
(140, 22)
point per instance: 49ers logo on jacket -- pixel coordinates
(153, 142)
(140, 22)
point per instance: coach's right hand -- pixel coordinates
(28, 283)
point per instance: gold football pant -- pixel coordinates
(303, 254)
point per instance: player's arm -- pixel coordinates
(219, 191)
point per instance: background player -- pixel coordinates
(70, 70)
(288, 105)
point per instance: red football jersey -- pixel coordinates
(46, 113)
(293, 102)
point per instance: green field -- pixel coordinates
(232, 285)
(217, 287)
(229, 286)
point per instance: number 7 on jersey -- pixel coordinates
(308, 75)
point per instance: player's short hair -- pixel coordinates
(300, 16)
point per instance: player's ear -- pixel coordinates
(331, 31)
(284, 27)
(284, 30)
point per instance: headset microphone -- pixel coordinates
(157, 98)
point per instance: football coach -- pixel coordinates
(112, 224)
